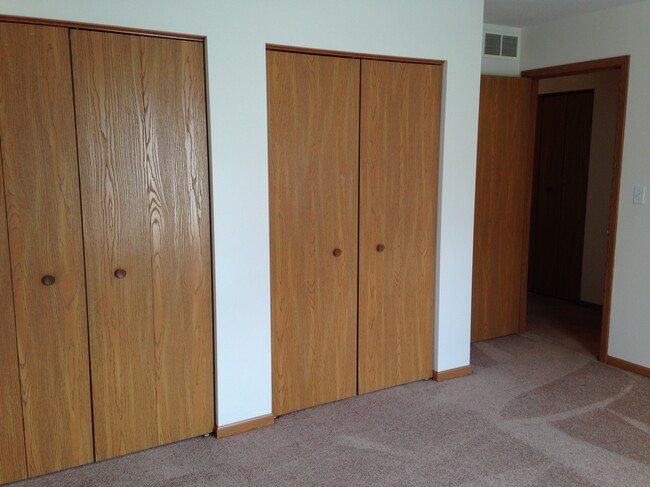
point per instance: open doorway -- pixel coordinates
(571, 203)
(504, 193)
(571, 282)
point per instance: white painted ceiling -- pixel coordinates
(521, 13)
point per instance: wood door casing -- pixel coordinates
(12, 440)
(313, 107)
(44, 221)
(399, 145)
(502, 186)
(560, 194)
(143, 163)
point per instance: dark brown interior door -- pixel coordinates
(560, 194)
(504, 166)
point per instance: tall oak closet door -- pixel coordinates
(12, 440)
(313, 108)
(39, 161)
(400, 127)
(140, 105)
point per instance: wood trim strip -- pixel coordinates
(629, 366)
(613, 204)
(244, 426)
(577, 68)
(452, 373)
(102, 28)
(354, 55)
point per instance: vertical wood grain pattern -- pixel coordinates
(141, 103)
(502, 189)
(43, 215)
(313, 107)
(113, 134)
(12, 440)
(179, 223)
(400, 130)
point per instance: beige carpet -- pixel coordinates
(538, 411)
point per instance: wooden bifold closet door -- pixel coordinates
(140, 104)
(12, 439)
(313, 178)
(400, 130)
(39, 158)
(353, 156)
(105, 259)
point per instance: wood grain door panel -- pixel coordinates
(400, 126)
(110, 103)
(43, 214)
(179, 232)
(313, 106)
(144, 171)
(504, 166)
(12, 439)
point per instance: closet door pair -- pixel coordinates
(104, 247)
(353, 157)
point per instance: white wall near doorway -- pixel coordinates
(608, 33)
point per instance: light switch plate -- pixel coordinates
(639, 195)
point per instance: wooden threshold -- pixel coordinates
(244, 426)
(629, 366)
(452, 373)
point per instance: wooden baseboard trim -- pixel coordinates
(244, 426)
(629, 366)
(444, 375)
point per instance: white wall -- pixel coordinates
(601, 161)
(615, 32)
(500, 66)
(237, 32)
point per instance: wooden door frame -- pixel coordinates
(622, 64)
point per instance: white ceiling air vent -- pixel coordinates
(501, 45)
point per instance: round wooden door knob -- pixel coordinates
(380, 248)
(48, 280)
(120, 273)
(337, 252)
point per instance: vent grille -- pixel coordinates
(501, 45)
(492, 44)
